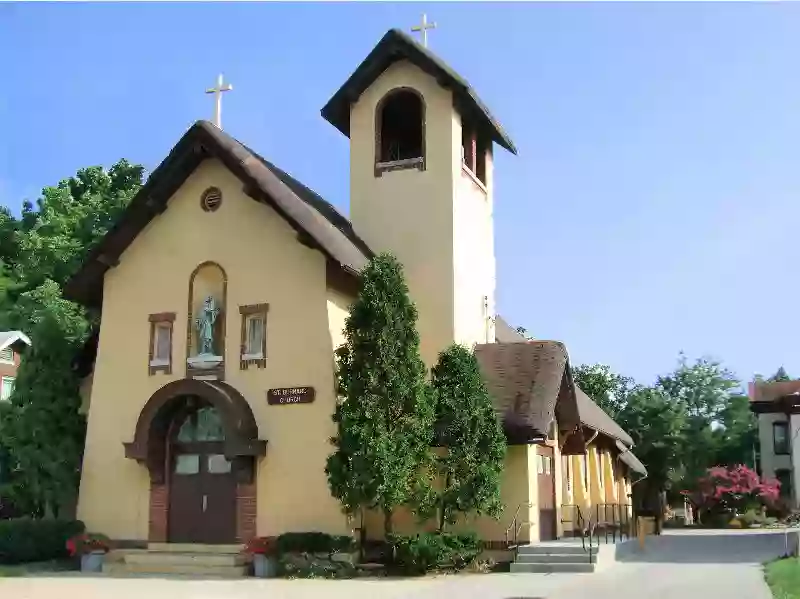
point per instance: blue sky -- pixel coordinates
(653, 206)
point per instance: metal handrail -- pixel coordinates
(517, 527)
(620, 520)
(586, 527)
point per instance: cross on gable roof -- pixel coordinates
(397, 45)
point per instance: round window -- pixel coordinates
(211, 199)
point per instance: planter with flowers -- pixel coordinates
(265, 556)
(91, 548)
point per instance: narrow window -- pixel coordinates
(160, 358)
(474, 148)
(780, 438)
(7, 388)
(254, 335)
(785, 479)
(7, 355)
(400, 132)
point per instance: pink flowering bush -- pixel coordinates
(732, 491)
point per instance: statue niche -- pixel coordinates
(206, 327)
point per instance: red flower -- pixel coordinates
(87, 543)
(261, 546)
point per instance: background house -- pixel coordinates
(12, 345)
(777, 405)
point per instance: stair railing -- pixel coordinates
(614, 518)
(516, 526)
(585, 527)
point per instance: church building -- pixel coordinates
(223, 291)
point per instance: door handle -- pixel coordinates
(205, 503)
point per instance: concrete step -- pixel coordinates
(122, 568)
(192, 548)
(187, 559)
(553, 558)
(551, 568)
(543, 549)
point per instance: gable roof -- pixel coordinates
(397, 45)
(595, 417)
(531, 383)
(318, 224)
(630, 460)
(505, 333)
(527, 381)
(13, 338)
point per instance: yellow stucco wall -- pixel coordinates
(473, 253)
(264, 264)
(515, 491)
(437, 222)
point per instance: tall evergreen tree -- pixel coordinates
(41, 426)
(472, 445)
(385, 416)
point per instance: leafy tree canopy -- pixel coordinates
(40, 428)
(608, 389)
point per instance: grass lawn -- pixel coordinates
(783, 578)
(35, 568)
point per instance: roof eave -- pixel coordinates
(393, 46)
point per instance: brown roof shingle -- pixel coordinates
(531, 383)
(630, 460)
(526, 381)
(316, 221)
(594, 417)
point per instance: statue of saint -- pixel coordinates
(205, 326)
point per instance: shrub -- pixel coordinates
(314, 542)
(431, 550)
(28, 540)
(731, 491)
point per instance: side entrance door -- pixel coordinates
(547, 492)
(202, 495)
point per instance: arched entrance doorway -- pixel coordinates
(199, 442)
(202, 498)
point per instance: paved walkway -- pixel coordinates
(678, 565)
(707, 564)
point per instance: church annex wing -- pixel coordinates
(318, 224)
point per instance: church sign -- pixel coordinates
(290, 395)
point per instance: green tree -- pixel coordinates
(656, 424)
(52, 239)
(470, 439)
(703, 389)
(385, 417)
(608, 389)
(737, 435)
(40, 429)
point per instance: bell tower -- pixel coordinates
(421, 184)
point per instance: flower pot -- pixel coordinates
(265, 566)
(92, 562)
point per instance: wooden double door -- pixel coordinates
(202, 492)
